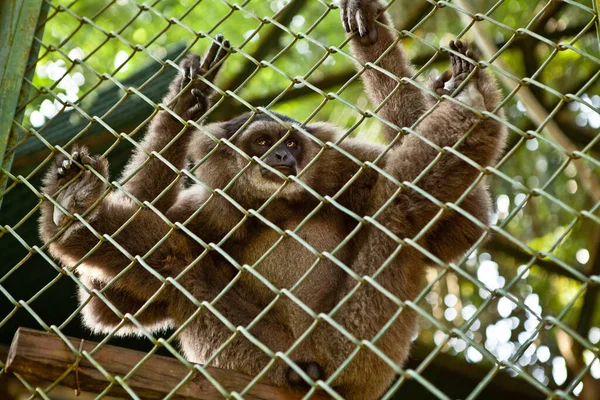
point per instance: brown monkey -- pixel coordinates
(262, 225)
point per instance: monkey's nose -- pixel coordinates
(280, 155)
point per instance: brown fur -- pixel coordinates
(257, 247)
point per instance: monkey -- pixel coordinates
(293, 250)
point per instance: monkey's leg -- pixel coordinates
(154, 175)
(408, 103)
(102, 319)
(218, 336)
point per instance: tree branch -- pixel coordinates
(268, 44)
(536, 112)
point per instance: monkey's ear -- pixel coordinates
(205, 140)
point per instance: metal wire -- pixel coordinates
(565, 35)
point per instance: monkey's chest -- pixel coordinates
(293, 262)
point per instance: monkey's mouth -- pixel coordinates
(284, 169)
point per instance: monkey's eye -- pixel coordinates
(263, 142)
(292, 144)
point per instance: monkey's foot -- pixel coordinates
(439, 85)
(196, 93)
(312, 369)
(461, 67)
(361, 16)
(79, 186)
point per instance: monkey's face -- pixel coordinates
(281, 153)
(277, 148)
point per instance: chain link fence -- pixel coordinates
(516, 316)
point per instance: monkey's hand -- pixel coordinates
(461, 67)
(196, 93)
(77, 186)
(361, 16)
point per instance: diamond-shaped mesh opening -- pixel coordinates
(311, 279)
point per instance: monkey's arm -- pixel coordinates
(441, 174)
(148, 175)
(403, 109)
(372, 41)
(139, 247)
(208, 217)
(370, 312)
(118, 232)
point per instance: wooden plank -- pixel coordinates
(44, 356)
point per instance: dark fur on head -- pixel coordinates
(318, 176)
(233, 125)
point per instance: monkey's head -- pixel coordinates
(283, 150)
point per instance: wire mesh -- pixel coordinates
(520, 306)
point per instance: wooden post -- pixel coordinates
(44, 356)
(18, 22)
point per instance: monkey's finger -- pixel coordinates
(351, 12)
(460, 66)
(87, 160)
(202, 95)
(437, 84)
(212, 52)
(456, 61)
(196, 111)
(218, 62)
(344, 19)
(462, 49)
(190, 67)
(194, 70)
(189, 61)
(442, 79)
(468, 67)
(361, 23)
(453, 63)
(351, 24)
(220, 52)
(471, 55)
(226, 47)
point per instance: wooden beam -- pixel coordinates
(44, 356)
(18, 21)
